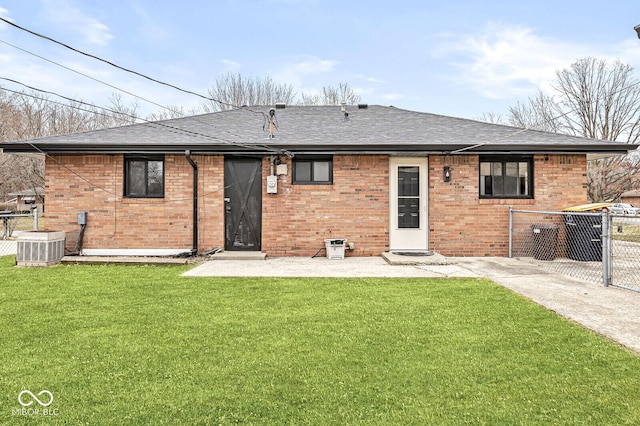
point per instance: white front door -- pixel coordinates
(408, 230)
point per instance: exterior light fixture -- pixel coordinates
(447, 173)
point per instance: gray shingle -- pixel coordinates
(318, 128)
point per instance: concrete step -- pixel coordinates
(426, 258)
(239, 255)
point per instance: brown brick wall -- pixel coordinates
(94, 183)
(461, 224)
(298, 218)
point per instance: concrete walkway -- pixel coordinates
(612, 312)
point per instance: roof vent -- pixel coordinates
(363, 106)
(280, 105)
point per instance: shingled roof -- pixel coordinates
(317, 129)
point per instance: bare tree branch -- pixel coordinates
(331, 96)
(233, 90)
(31, 115)
(595, 100)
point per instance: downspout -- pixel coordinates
(187, 154)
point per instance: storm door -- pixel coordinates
(243, 203)
(408, 204)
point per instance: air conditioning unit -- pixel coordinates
(40, 248)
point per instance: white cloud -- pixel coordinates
(296, 72)
(231, 65)
(502, 60)
(74, 19)
(392, 96)
(5, 14)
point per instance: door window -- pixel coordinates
(408, 197)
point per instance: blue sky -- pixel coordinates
(457, 58)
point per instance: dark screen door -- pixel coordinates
(243, 203)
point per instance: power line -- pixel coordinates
(139, 74)
(83, 74)
(185, 90)
(173, 129)
(120, 197)
(61, 103)
(113, 64)
(84, 179)
(266, 147)
(89, 55)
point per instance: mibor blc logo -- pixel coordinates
(26, 398)
(42, 400)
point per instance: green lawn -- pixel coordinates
(142, 345)
(626, 232)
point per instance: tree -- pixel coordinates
(331, 96)
(597, 100)
(26, 115)
(541, 113)
(171, 111)
(233, 91)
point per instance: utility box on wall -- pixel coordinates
(82, 218)
(40, 248)
(272, 184)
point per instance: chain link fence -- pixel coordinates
(625, 240)
(597, 247)
(11, 225)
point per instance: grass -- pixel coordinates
(142, 345)
(626, 232)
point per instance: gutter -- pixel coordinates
(446, 149)
(187, 154)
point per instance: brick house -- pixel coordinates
(282, 180)
(27, 198)
(631, 197)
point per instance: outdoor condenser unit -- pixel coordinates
(37, 248)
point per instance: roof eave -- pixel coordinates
(593, 149)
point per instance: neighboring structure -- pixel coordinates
(631, 197)
(28, 198)
(282, 180)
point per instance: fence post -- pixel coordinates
(35, 218)
(510, 232)
(606, 248)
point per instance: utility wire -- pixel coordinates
(192, 92)
(117, 195)
(84, 75)
(173, 129)
(266, 147)
(124, 69)
(140, 200)
(91, 111)
(155, 123)
(139, 74)
(113, 64)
